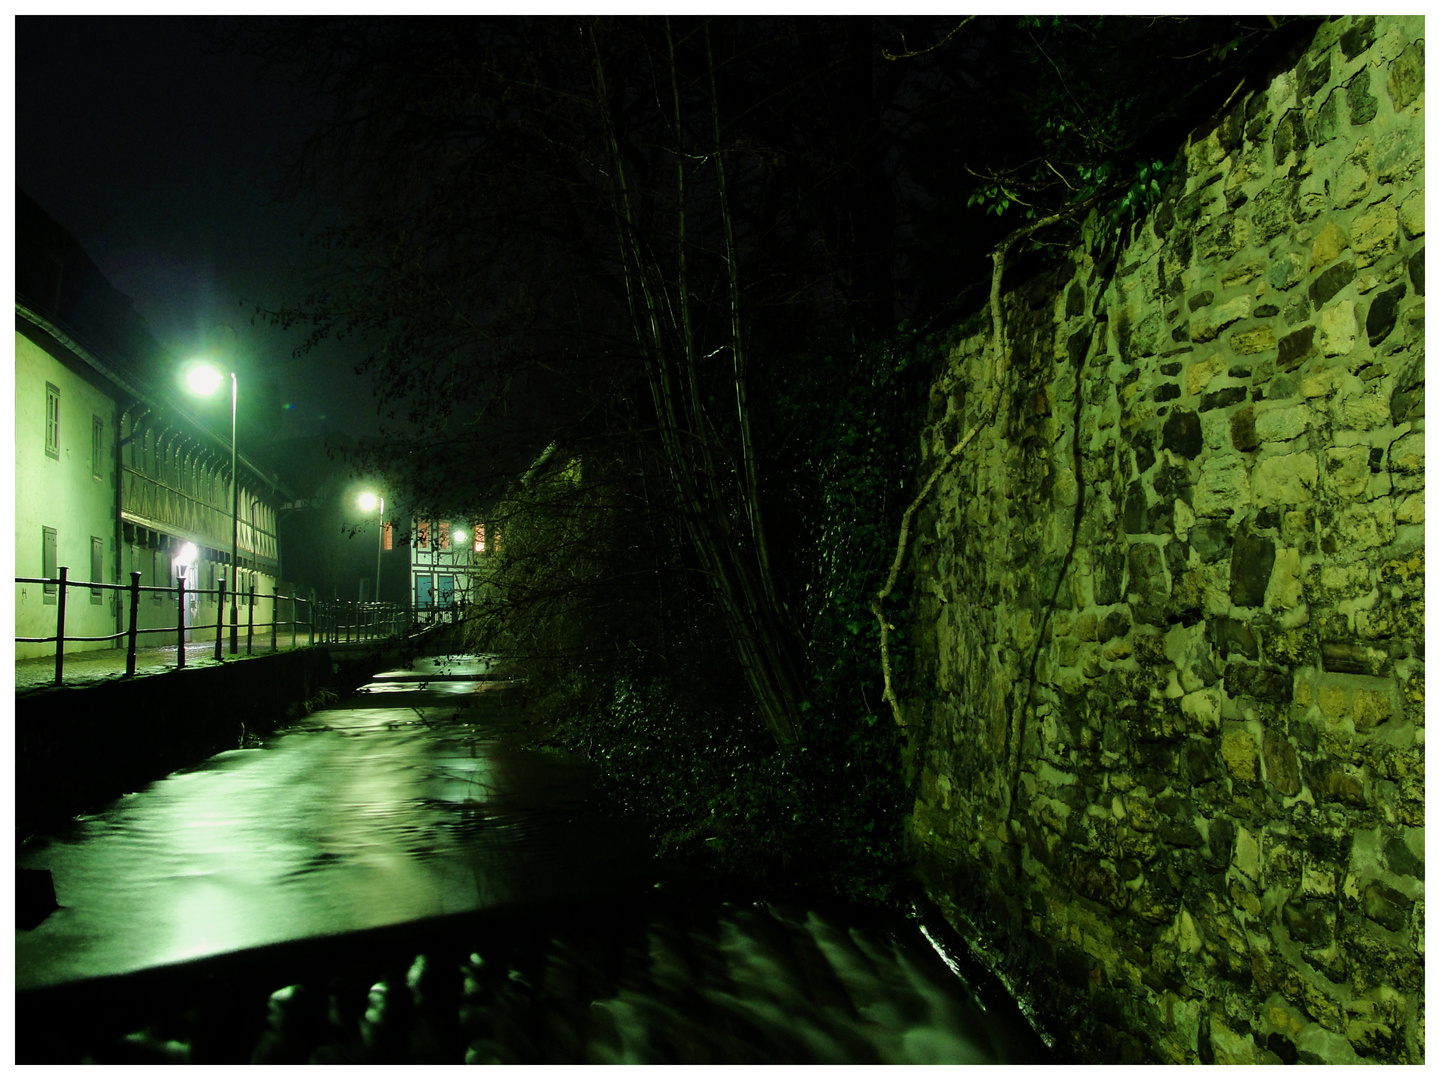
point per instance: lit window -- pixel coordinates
(388, 536)
(422, 535)
(52, 420)
(442, 536)
(479, 533)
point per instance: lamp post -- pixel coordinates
(370, 501)
(204, 380)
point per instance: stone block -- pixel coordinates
(1360, 100)
(1181, 433)
(1361, 412)
(1295, 348)
(1399, 153)
(1374, 233)
(1242, 430)
(1284, 480)
(1286, 589)
(1347, 470)
(1329, 244)
(1282, 423)
(1249, 342)
(1240, 755)
(1207, 326)
(1369, 708)
(1406, 80)
(1354, 658)
(1223, 398)
(1247, 857)
(1412, 214)
(1198, 375)
(1353, 179)
(1286, 271)
(1223, 487)
(1386, 906)
(1337, 329)
(1380, 318)
(1282, 766)
(1263, 684)
(1411, 510)
(1330, 281)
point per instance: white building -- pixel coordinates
(111, 476)
(445, 562)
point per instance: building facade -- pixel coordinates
(446, 558)
(112, 476)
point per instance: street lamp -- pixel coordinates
(370, 501)
(204, 379)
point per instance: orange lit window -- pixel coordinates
(388, 542)
(442, 536)
(479, 537)
(422, 535)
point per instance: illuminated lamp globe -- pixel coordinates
(203, 379)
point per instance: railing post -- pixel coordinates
(274, 613)
(294, 616)
(135, 576)
(250, 621)
(60, 627)
(220, 621)
(180, 633)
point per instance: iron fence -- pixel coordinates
(325, 622)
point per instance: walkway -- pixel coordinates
(101, 665)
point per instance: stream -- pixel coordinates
(400, 878)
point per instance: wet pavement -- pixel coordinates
(401, 879)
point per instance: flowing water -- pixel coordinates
(401, 879)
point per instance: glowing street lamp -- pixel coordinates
(204, 379)
(370, 501)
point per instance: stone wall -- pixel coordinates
(1167, 721)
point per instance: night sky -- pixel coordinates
(160, 157)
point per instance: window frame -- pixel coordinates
(49, 560)
(97, 568)
(97, 446)
(52, 421)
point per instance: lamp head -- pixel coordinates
(370, 501)
(203, 378)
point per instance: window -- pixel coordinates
(97, 448)
(442, 536)
(422, 535)
(52, 421)
(97, 568)
(49, 561)
(447, 590)
(479, 533)
(423, 597)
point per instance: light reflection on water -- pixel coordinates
(372, 814)
(415, 800)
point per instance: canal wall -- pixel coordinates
(1168, 729)
(76, 747)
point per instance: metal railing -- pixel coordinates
(326, 622)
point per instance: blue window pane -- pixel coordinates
(447, 590)
(423, 598)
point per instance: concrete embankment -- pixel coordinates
(77, 746)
